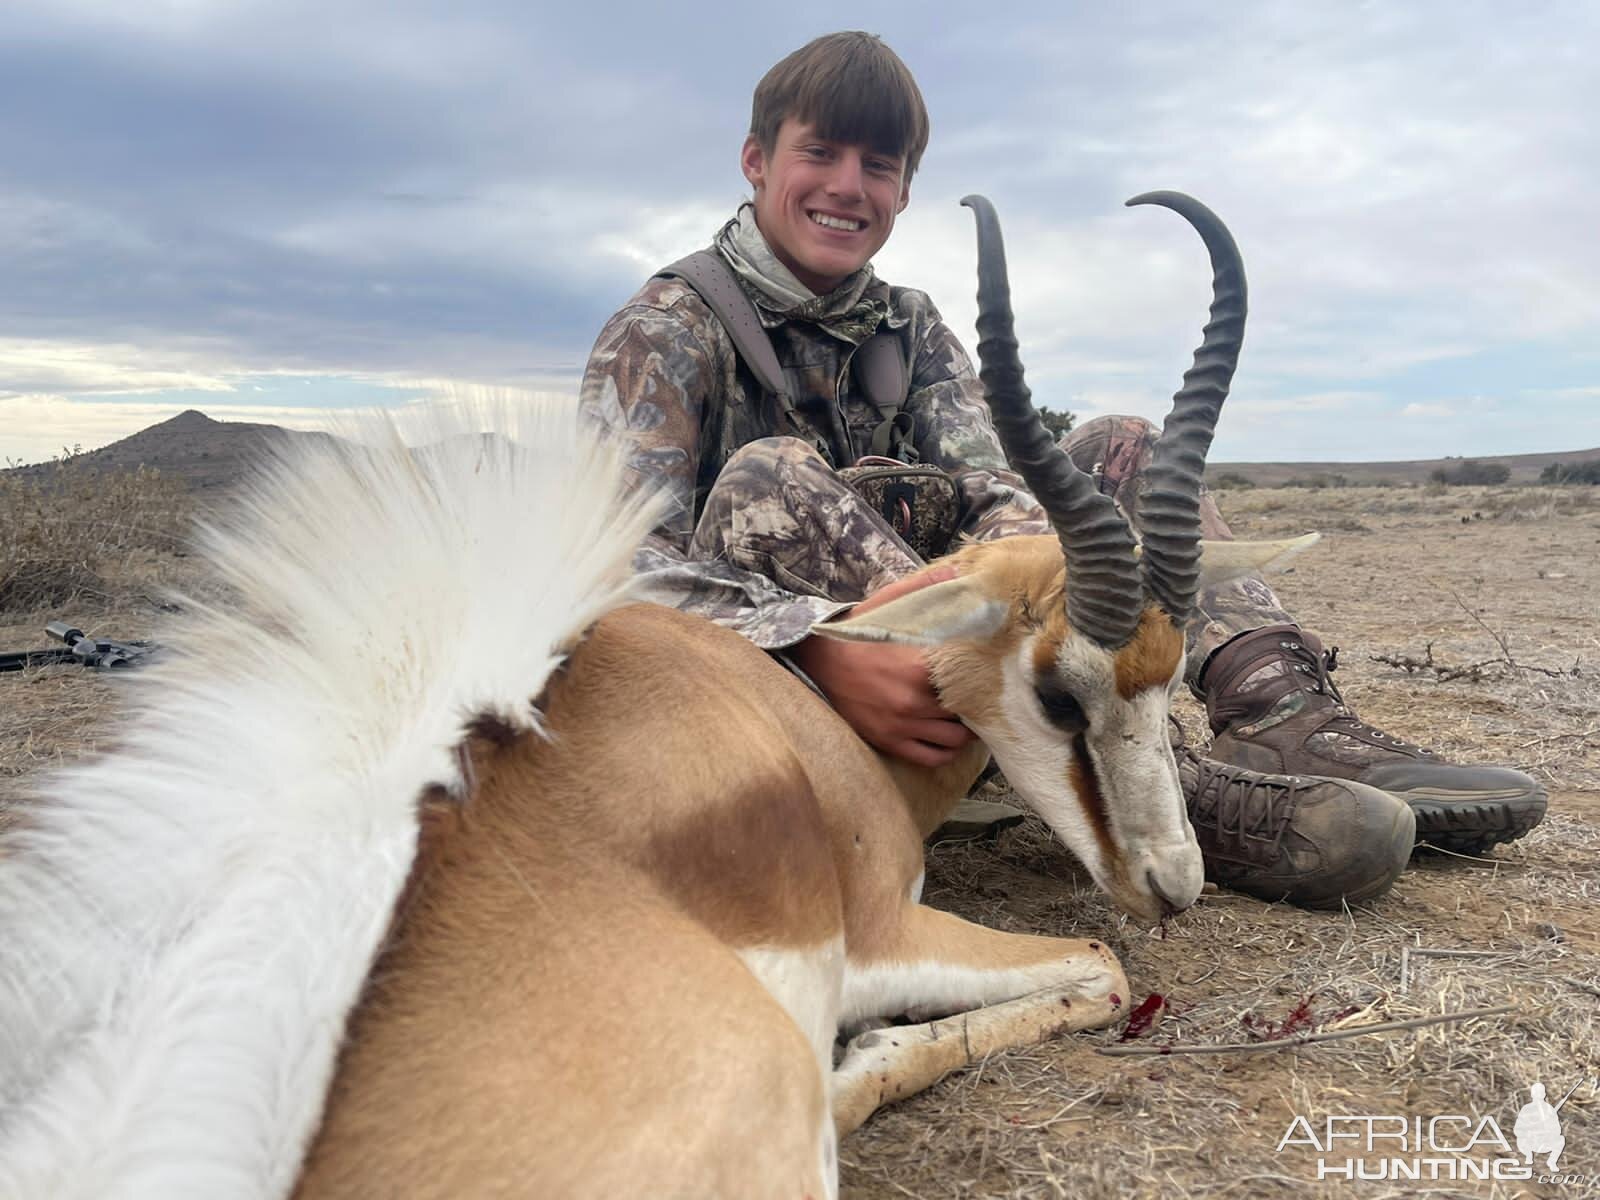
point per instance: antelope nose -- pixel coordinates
(1168, 904)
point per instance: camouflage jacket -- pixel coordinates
(665, 374)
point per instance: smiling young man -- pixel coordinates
(765, 535)
(824, 207)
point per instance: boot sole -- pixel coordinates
(1472, 822)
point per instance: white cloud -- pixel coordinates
(1321, 402)
(38, 365)
(654, 237)
(1428, 411)
(435, 191)
(1573, 393)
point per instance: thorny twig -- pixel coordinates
(1472, 671)
(1307, 1039)
(1499, 638)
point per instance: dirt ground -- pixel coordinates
(1507, 579)
(1398, 569)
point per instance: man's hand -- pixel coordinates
(883, 691)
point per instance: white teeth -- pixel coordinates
(828, 222)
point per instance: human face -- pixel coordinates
(824, 207)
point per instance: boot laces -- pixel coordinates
(1248, 810)
(1322, 666)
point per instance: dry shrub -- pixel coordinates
(66, 530)
(1542, 503)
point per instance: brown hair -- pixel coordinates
(852, 88)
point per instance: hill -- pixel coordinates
(207, 456)
(1524, 468)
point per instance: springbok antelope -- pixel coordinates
(437, 868)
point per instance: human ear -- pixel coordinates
(753, 162)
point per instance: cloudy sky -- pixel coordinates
(269, 209)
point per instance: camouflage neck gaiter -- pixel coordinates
(847, 311)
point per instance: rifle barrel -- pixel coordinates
(34, 658)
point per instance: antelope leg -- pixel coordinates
(886, 1065)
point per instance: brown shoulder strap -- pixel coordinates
(710, 275)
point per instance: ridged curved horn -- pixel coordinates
(1104, 599)
(1169, 499)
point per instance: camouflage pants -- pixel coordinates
(780, 511)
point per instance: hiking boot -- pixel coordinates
(1316, 843)
(1274, 707)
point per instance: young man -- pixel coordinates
(765, 536)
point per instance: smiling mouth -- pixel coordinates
(841, 224)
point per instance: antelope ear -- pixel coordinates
(956, 610)
(1222, 561)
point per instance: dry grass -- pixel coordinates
(1394, 572)
(1060, 1119)
(102, 551)
(74, 533)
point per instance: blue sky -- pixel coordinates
(269, 209)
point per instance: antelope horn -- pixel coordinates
(1103, 593)
(1169, 498)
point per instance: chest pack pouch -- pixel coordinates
(919, 502)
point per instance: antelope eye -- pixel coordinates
(1061, 706)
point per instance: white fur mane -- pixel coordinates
(186, 923)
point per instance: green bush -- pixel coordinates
(1058, 423)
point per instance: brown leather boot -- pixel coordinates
(1274, 708)
(1316, 843)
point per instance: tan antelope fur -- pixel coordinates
(431, 866)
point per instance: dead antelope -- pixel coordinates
(436, 868)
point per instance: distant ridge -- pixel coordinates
(208, 456)
(1524, 468)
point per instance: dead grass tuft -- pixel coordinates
(75, 533)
